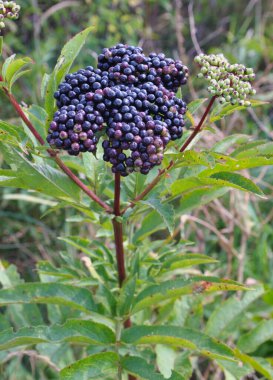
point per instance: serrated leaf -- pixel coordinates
(6, 64)
(93, 367)
(192, 107)
(81, 244)
(236, 371)
(195, 104)
(265, 149)
(179, 337)
(234, 165)
(139, 367)
(49, 293)
(238, 181)
(216, 180)
(228, 109)
(185, 260)
(126, 296)
(165, 359)
(9, 133)
(150, 224)
(191, 158)
(228, 310)
(199, 197)
(73, 331)
(224, 144)
(259, 335)
(261, 365)
(167, 290)
(37, 116)
(164, 210)
(42, 178)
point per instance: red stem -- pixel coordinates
(155, 181)
(118, 233)
(52, 153)
(199, 126)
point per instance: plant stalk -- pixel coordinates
(118, 234)
(155, 181)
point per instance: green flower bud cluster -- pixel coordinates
(8, 10)
(230, 83)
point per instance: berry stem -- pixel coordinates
(52, 153)
(155, 181)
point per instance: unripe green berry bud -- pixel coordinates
(2, 25)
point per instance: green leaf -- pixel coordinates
(224, 144)
(164, 210)
(139, 367)
(185, 260)
(49, 293)
(80, 244)
(93, 367)
(228, 310)
(73, 331)
(227, 109)
(265, 149)
(175, 288)
(14, 69)
(126, 297)
(9, 133)
(195, 104)
(192, 107)
(239, 182)
(260, 334)
(41, 178)
(165, 359)
(199, 197)
(192, 158)
(238, 371)
(150, 224)
(261, 365)
(37, 116)
(234, 165)
(221, 179)
(180, 337)
(68, 54)
(6, 64)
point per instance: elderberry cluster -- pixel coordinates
(8, 10)
(231, 83)
(129, 100)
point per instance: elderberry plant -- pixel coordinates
(126, 308)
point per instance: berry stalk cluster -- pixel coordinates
(8, 10)
(229, 82)
(129, 99)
